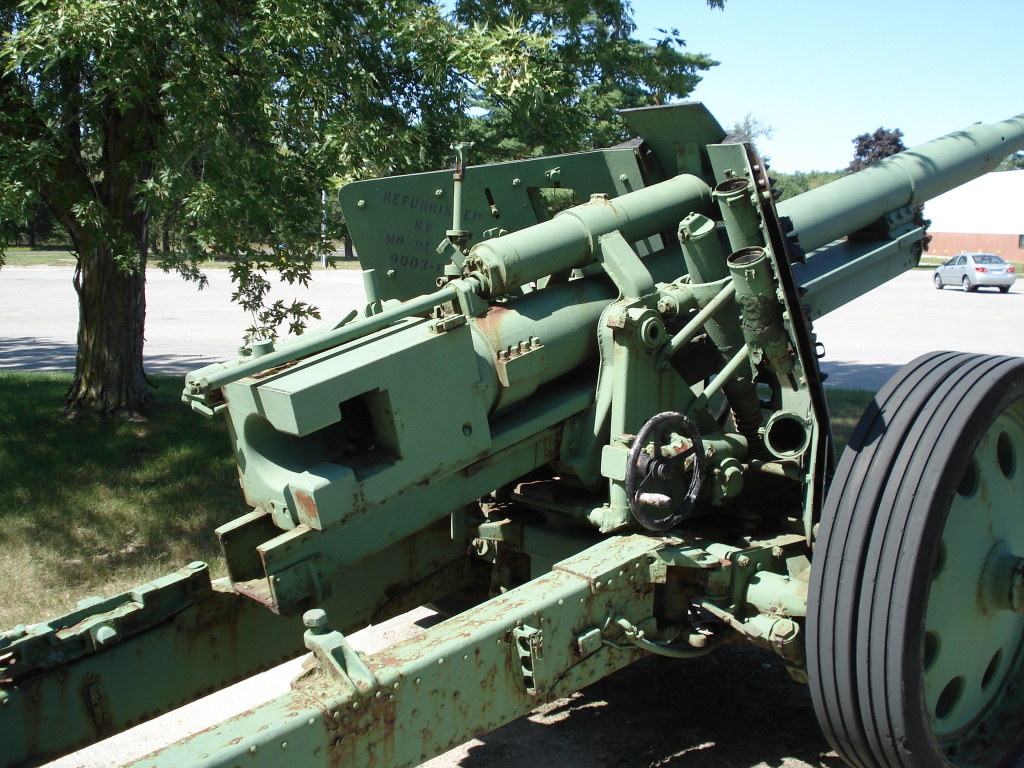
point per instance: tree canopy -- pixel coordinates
(1014, 162)
(749, 129)
(592, 68)
(184, 129)
(869, 148)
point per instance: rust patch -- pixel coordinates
(491, 321)
(258, 590)
(307, 508)
(369, 739)
(271, 371)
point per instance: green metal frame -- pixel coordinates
(610, 419)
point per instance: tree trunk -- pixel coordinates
(109, 376)
(111, 284)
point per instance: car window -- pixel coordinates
(987, 258)
(961, 260)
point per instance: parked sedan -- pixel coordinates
(972, 271)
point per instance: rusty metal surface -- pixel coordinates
(63, 701)
(460, 678)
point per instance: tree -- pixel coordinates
(874, 147)
(787, 185)
(749, 129)
(216, 125)
(37, 225)
(869, 148)
(1014, 162)
(594, 67)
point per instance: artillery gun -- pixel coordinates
(604, 430)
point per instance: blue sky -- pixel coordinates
(821, 72)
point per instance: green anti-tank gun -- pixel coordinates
(604, 429)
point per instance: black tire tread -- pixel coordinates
(867, 554)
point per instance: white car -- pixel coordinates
(975, 270)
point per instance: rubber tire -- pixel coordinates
(938, 282)
(1004, 289)
(878, 545)
(968, 288)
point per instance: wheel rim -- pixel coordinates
(968, 676)
(966, 284)
(915, 625)
(938, 281)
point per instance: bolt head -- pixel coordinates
(105, 635)
(315, 619)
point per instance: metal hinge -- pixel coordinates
(529, 645)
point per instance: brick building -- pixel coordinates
(983, 216)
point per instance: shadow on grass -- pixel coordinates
(92, 495)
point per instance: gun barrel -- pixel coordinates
(913, 177)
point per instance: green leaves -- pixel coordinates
(579, 66)
(197, 129)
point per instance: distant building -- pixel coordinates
(983, 216)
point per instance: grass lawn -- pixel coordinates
(845, 408)
(98, 506)
(42, 257)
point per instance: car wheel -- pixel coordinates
(938, 281)
(967, 285)
(1004, 289)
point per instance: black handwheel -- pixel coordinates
(916, 605)
(664, 474)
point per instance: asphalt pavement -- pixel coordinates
(865, 342)
(186, 328)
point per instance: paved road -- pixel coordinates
(186, 328)
(870, 338)
(866, 341)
